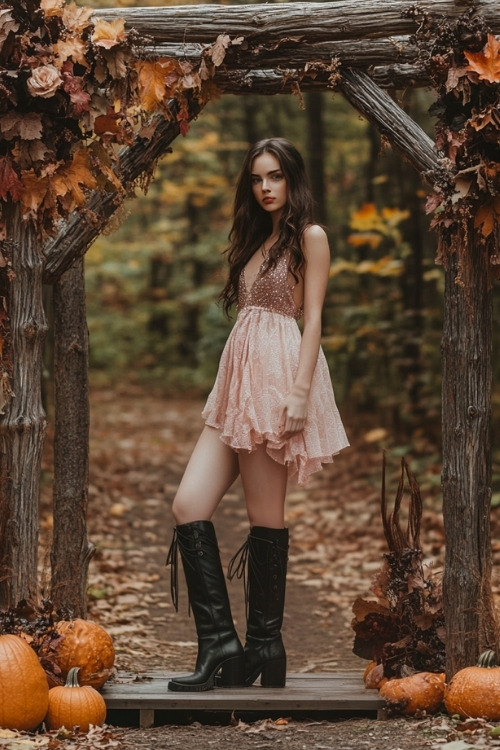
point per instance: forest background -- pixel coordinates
(154, 277)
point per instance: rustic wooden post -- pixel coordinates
(22, 428)
(466, 478)
(71, 551)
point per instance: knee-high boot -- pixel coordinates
(219, 649)
(267, 552)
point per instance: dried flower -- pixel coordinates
(44, 81)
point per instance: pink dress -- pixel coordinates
(257, 371)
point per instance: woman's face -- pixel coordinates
(269, 184)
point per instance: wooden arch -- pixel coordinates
(361, 49)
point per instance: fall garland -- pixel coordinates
(71, 92)
(463, 60)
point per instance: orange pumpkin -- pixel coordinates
(24, 693)
(475, 691)
(422, 691)
(84, 644)
(72, 705)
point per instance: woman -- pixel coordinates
(270, 415)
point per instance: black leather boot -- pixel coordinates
(267, 553)
(219, 649)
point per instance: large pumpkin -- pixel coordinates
(422, 691)
(475, 691)
(72, 705)
(24, 693)
(83, 644)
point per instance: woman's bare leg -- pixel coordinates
(264, 484)
(211, 470)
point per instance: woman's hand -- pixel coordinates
(293, 412)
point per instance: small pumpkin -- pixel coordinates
(24, 693)
(83, 642)
(475, 691)
(73, 705)
(422, 691)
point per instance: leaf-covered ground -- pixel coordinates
(139, 446)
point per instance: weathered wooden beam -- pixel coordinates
(353, 53)
(393, 63)
(403, 133)
(290, 81)
(310, 22)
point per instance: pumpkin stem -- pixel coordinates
(72, 678)
(488, 659)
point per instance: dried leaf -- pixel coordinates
(108, 34)
(152, 77)
(7, 24)
(218, 49)
(75, 18)
(10, 184)
(71, 178)
(52, 7)
(486, 63)
(72, 47)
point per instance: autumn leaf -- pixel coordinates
(70, 179)
(218, 50)
(75, 18)
(71, 48)
(486, 63)
(108, 34)
(10, 185)
(7, 24)
(34, 192)
(28, 127)
(152, 79)
(52, 7)
(487, 216)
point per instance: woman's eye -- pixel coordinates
(255, 180)
(277, 177)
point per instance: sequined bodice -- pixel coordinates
(270, 290)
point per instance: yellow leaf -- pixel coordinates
(152, 78)
(486, 63)
(70, 179)
(108, 34)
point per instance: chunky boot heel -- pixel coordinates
(265, 553)
(219, 648)
(274, 674)
(232, 673)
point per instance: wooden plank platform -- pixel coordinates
(306, 693)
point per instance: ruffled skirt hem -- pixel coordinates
(256, 372)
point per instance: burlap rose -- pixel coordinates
(44, 81)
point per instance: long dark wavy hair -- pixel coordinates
(252, 225)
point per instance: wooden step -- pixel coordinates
(310, 693)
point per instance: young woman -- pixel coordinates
(270, 415)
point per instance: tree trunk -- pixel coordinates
(316, 153)
(22, 429)
(71, 551)
(466, 478)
